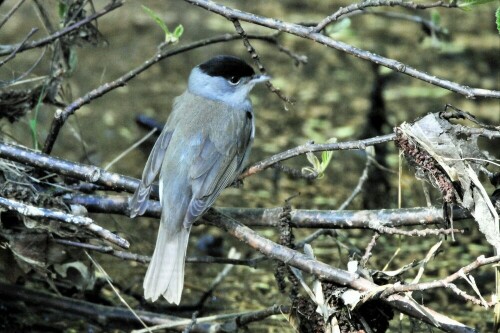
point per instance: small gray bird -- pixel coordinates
(201, 150)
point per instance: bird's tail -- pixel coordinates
(165, 275)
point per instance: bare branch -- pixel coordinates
(88, 173)
(309, 33)
(255, 57)
(378, 3)
(301, 218)
(480, 261)
(81, 221)
(146, 259)
(49, 39)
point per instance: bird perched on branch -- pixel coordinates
(201, 150)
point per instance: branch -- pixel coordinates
(327, 273)
(300, 218)
(81, 221)
(11, 12)
(146, 259)
(480, 261)
(105, 315)
(309, 33)
(256, 217)
(49, 39)
(255, 57)
(12, 55)
(87, 173)
(93, 174)
(311, 147)
(377, 3)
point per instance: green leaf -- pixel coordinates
(318, 167)
(62, 9)
(313, 160)
(179, 30)
(157, 19)
(170, 37)
(497, 15)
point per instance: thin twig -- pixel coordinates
(479, 262)
(185, 322)
(428, 24)
(378, 3)
(12, 55)
(49, 39)
(256, 59)
(368, 250)
(146, 259)
(219, 278)
(11, 12)
(361, 181)
(17, 80)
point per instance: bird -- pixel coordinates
(203, 148)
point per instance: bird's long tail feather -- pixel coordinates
(165, 275)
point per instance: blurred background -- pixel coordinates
(335, 95)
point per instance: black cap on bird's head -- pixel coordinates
(224, 78)
(227, 67)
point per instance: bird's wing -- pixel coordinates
(138, 203)
(216, 166)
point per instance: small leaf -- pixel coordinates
(62, 9)
(157, 19)
(313, 160)
(179, 30)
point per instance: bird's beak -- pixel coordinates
(260, 78)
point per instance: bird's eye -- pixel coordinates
(234, 80)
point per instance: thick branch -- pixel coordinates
(109, 315)
(87, 173)
(93, 174)
(328, 273)
(81, 221)
(300, 218)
